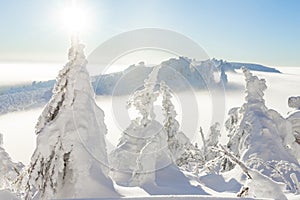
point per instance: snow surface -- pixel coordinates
(261, 186)
(7, 195)
(175, 197)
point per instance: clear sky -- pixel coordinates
(259, 31)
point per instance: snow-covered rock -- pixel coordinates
(70, 159)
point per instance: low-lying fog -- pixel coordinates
(194, 109)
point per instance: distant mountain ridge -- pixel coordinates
(254, 67)
(178, 73)
(231, 66)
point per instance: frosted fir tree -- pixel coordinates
(223, 76)
(255, 88)
(70, 157)
(293, 138)
(179, 145)
(170, 123)
(142, 100)
(239, 128)
(142, 157)
(9, 171)
(211, 142)
(142, 142)
(207, 159)
(257, 135)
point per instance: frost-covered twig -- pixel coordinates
(204, 144)
(235, 160)
(276, 167)
(296, 182)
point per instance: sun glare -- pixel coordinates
(75, 19)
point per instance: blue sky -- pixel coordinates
(259, 31)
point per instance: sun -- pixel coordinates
(75, 19)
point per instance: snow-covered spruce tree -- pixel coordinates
(142, 100)
(142, 157)
(258, 132)
(142, 141)
(293, 138)
(70, 156)
(237, 126)
(181, 148)
(9, 171)
(170, 123)
(206, 159)
(223, 76)
(211, 142)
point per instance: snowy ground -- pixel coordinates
(6, 195)
(182, 197)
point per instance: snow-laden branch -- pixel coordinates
(234, 159)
